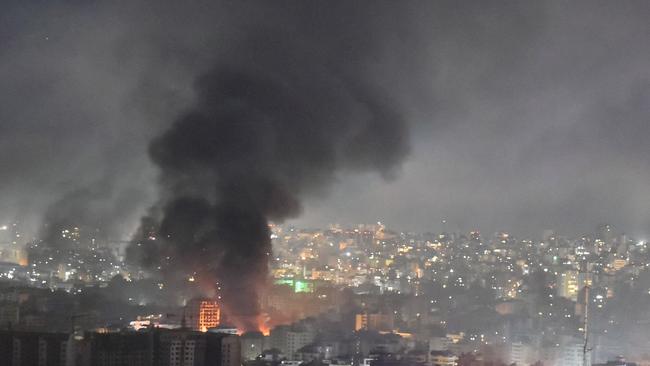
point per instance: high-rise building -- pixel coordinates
(182, 348)
(252, 345)
(9, 315)
(439, 344)
(290, 339)
(571, 354)
(571, 282)
(568, 285)
(377, 322)
(33, 348)
(202, 314)
(522, 353)
(124, 348)
(163, 347)
(439, 354)
(223, 349)
(442, 358)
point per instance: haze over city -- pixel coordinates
(374, 183)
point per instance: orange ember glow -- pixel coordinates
(263, 323)
(255, 323)
(264, 328)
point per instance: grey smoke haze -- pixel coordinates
(524, 115)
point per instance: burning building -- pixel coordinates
(202, 314)
(258, 138)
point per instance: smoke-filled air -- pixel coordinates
(325, 183)
(260, 136)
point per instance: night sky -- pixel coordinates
(522, 115)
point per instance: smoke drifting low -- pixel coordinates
(272, 123)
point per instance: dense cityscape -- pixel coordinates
(325, 183)
(348, 295)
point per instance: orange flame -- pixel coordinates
(264, 328)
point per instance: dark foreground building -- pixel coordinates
(163, 347)
(150, 347)
(19, 348)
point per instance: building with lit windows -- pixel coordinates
(162, 347)
(442, 358)
(376, 322)
(203, 314)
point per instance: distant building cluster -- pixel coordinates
(364, 295)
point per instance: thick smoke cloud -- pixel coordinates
(271, 124)
(526, 115)
(523, 116)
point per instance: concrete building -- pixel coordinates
(567, 285)
(223, 350)
(571, 354)
(290, 339)
(252, 345)
(181, 348)
(163, 347)
(442, 358)
(439, 344)
(33, 348)
(202, 314)
(522, 353)
(377, 322)
(9, 315)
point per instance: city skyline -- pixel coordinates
(325, 183)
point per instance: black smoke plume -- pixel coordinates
(272, 123)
